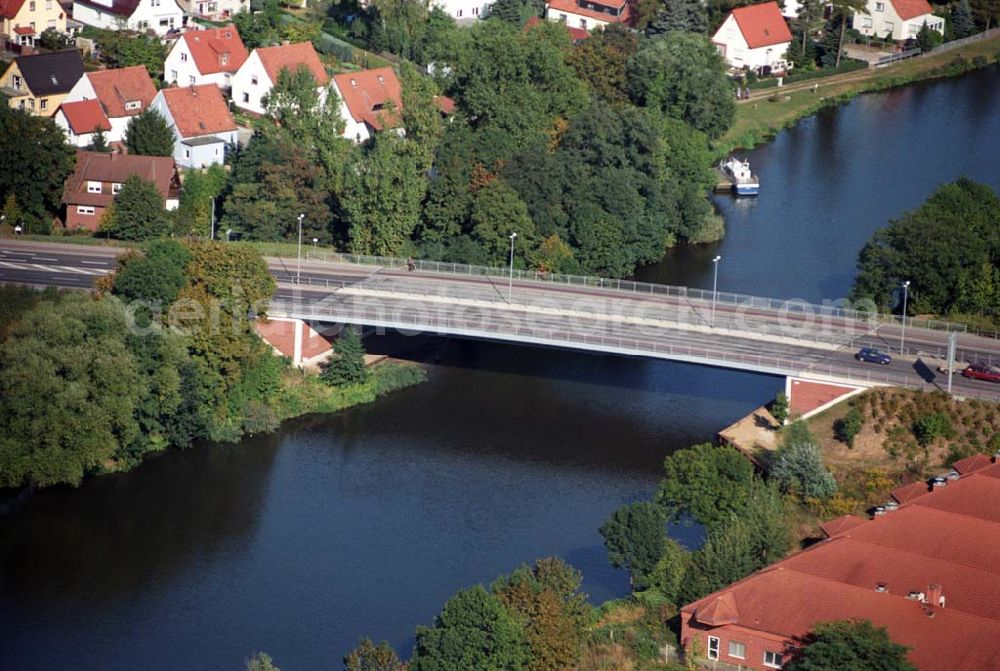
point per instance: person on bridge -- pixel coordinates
(410, 265)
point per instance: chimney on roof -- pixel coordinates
(881, 587)
(939, 482)
(934, 595)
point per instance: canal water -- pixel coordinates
(363, 523)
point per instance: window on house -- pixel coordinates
(16, 81)
(133, 105)
(737, 650)
(155, 3)
(93, 187)
(164, 23)
(116, 187)
(772, 660)
(191, 80)
(228, 80)
(48, 5)
(84, 209)
(253, 80)
(563, 17)
(173, 75)
(187, 153)
(879, 6)
(913, 30)
(31, 6)
(143, 25)
(246, 97)
(216, 151)
(866, 22)
(583, 23)
(51, 23)
(713, 647)
(888, 26)
(43, 104)
(458, 13)
(475, 10)
(224, 59)
(184, 57)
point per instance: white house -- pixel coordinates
(370, 100)
(214, 10)
(205, 57)
(589, 14)
(81, 120)
(897, 19)
(259, 73)
(160, 16)
(201, 121)
(122, 93)
(754, 36)
(464, 11)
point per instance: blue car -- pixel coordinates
(872, 355)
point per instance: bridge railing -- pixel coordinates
(575, 338)
(832, 309)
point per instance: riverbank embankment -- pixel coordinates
(758, 120)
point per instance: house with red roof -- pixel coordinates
(575, 34)
(370, 101)
(201, 121)
(753, 37)
(214, 10)
(210, 56)
(98, 178)
(81, 121)
(22, 21)
(122, 93)
(924, 567)
(589, 14)
(259, 73)
(897, 19)
(158, 16)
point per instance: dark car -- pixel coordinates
(979, 371)
(872, 355)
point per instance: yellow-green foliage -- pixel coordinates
(304, 394)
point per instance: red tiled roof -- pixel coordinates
(840, 525)
(114, 88)
(216, 49)
(718, 611)
(85, 116)
(10, 8)
(116, 168)
(909, 492)
(445, 104)
(946, 540)
(762, 25)
(570, 6)
(280, 334)
(289, 57)
(123, 8)
(808, 395)
(368, 93)
(909, 9)
(973, 463)
(24, 30)
(199, 110)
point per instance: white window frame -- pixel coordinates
(246, 98)
(133, 105)
(732, 654)
(772, 664)
(192, 80)
(879, 6)
(85, 209)
(714, 645)
(94, 187)
(184, 57)
(187, 153)
(116, 187)
(16, 82)
(43, 104)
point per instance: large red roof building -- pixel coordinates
(926, 567)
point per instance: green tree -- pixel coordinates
(707, 483)
(70, 388)
(348, 363)
(420, 114)
(156, 276)
(261, 661)
(844, 10)
(779, 408)
(127, 48)
(805, 23)
(12, 214)
(928, 428)
(689, 16)
(199, 191)
(684, 75)
(382, 196)
(986, 12)
(257, 28)
(138, 212)
(35, 171)
(667, 576)
(516, 12)
(858, 645)
(600, 61)
(962, 23)
(149, 135)
(99, 142)
(370, 657)
(927, 39)
(53, 40)
(397, 26)
(497, 212)
(799, 468)
(635, 536)
(473, 631)
(848, 426)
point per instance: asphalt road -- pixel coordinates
(570, 316)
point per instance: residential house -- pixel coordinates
(99, 177)
(202, 124)
(259, 73)
(370, 100)
(123, 93)
(924, 567)
(575, 34)
(464, 11)
(589, 14)
(897, 20)
(214, 10)
(295, 339)
(81, 120)
(22, 21)
(158, 16)
(205, 57)
(753, 37)
(39, 83)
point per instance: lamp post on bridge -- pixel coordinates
(902, 332)
(298, 263)
(510, 281)
(715, 285)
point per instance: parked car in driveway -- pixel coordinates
(980, 371)
(872, 355)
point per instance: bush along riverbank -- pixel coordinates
(164, 353)
(758, 121)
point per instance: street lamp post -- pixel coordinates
(211, 234)
(902, 331)
(510, 281)
(315, 242)
(715, 285)
(298, 262)
(229, 232)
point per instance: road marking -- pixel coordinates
(44, 258)
(97, 263)
(7, 264)
(83, 271)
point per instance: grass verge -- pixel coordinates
(306, 394)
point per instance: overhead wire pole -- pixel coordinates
(510, 281)
(952, 344)
(902, 332)
(298, 263)
(715, 285)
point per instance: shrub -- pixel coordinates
(848, 426)
(929, 427)
(799, 468)
(779, 408)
